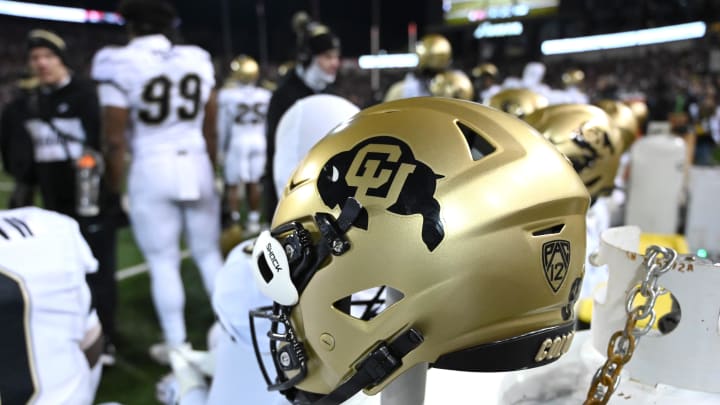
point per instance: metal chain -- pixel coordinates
(622, 344)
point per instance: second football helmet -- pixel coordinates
(518, 102)
(573, 77)
(640, 111)
(285, 68)
(623, 118)
(244, 69)
(453, 84)
(585, 134)
(434, 52)
(229, 238)
(466, 212)
(484, 69)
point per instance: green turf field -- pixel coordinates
(132, 380)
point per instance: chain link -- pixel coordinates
(622, 344)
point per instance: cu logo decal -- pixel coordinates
(372, 180)
(383, 171)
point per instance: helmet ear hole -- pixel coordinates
(367, 304)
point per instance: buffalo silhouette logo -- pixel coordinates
(556, 261)
(383, 171)
(590, 141)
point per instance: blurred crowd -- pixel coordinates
(669, 80)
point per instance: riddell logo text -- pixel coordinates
(553, 348)
(273, 259)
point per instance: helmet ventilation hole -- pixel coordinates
(366, 304)
(479, 146)
(551, 230)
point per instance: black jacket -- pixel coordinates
(289, 91)
(75, 101)
(16, 147)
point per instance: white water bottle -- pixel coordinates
(89, 168)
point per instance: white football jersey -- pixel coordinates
(241, 111)
(164, 86)
(236, 294)
(44, 309)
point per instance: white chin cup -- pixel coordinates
(272, 271)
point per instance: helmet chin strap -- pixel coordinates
(375, 368)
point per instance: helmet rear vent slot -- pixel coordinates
(479, 146)
(551, 230)
(366, 304)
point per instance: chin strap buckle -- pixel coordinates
(385, 359)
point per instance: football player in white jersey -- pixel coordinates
(235, 373)
(162, 95)
(242, 107)
(301, 127)
(51, 338)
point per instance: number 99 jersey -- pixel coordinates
(164, 86)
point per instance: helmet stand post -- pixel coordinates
(409, 388)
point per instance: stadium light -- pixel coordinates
(624, 39)
(58, 13)
(388, 61)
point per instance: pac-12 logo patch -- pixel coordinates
(383, 171)
(556, 261)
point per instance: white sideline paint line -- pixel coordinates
(141, 268)
(6, 186)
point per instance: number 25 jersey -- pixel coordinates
(164, 86)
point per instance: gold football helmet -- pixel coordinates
(585, 134)
(434, 52)
(484, 69)
(396, 91)
(244, 69)
(640, 111)
(623, 118)
(463, 210)
(453, 84)
(518, 102)
(285, 68)
(573, 77)
(229, 238)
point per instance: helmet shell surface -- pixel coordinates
(469, 213)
